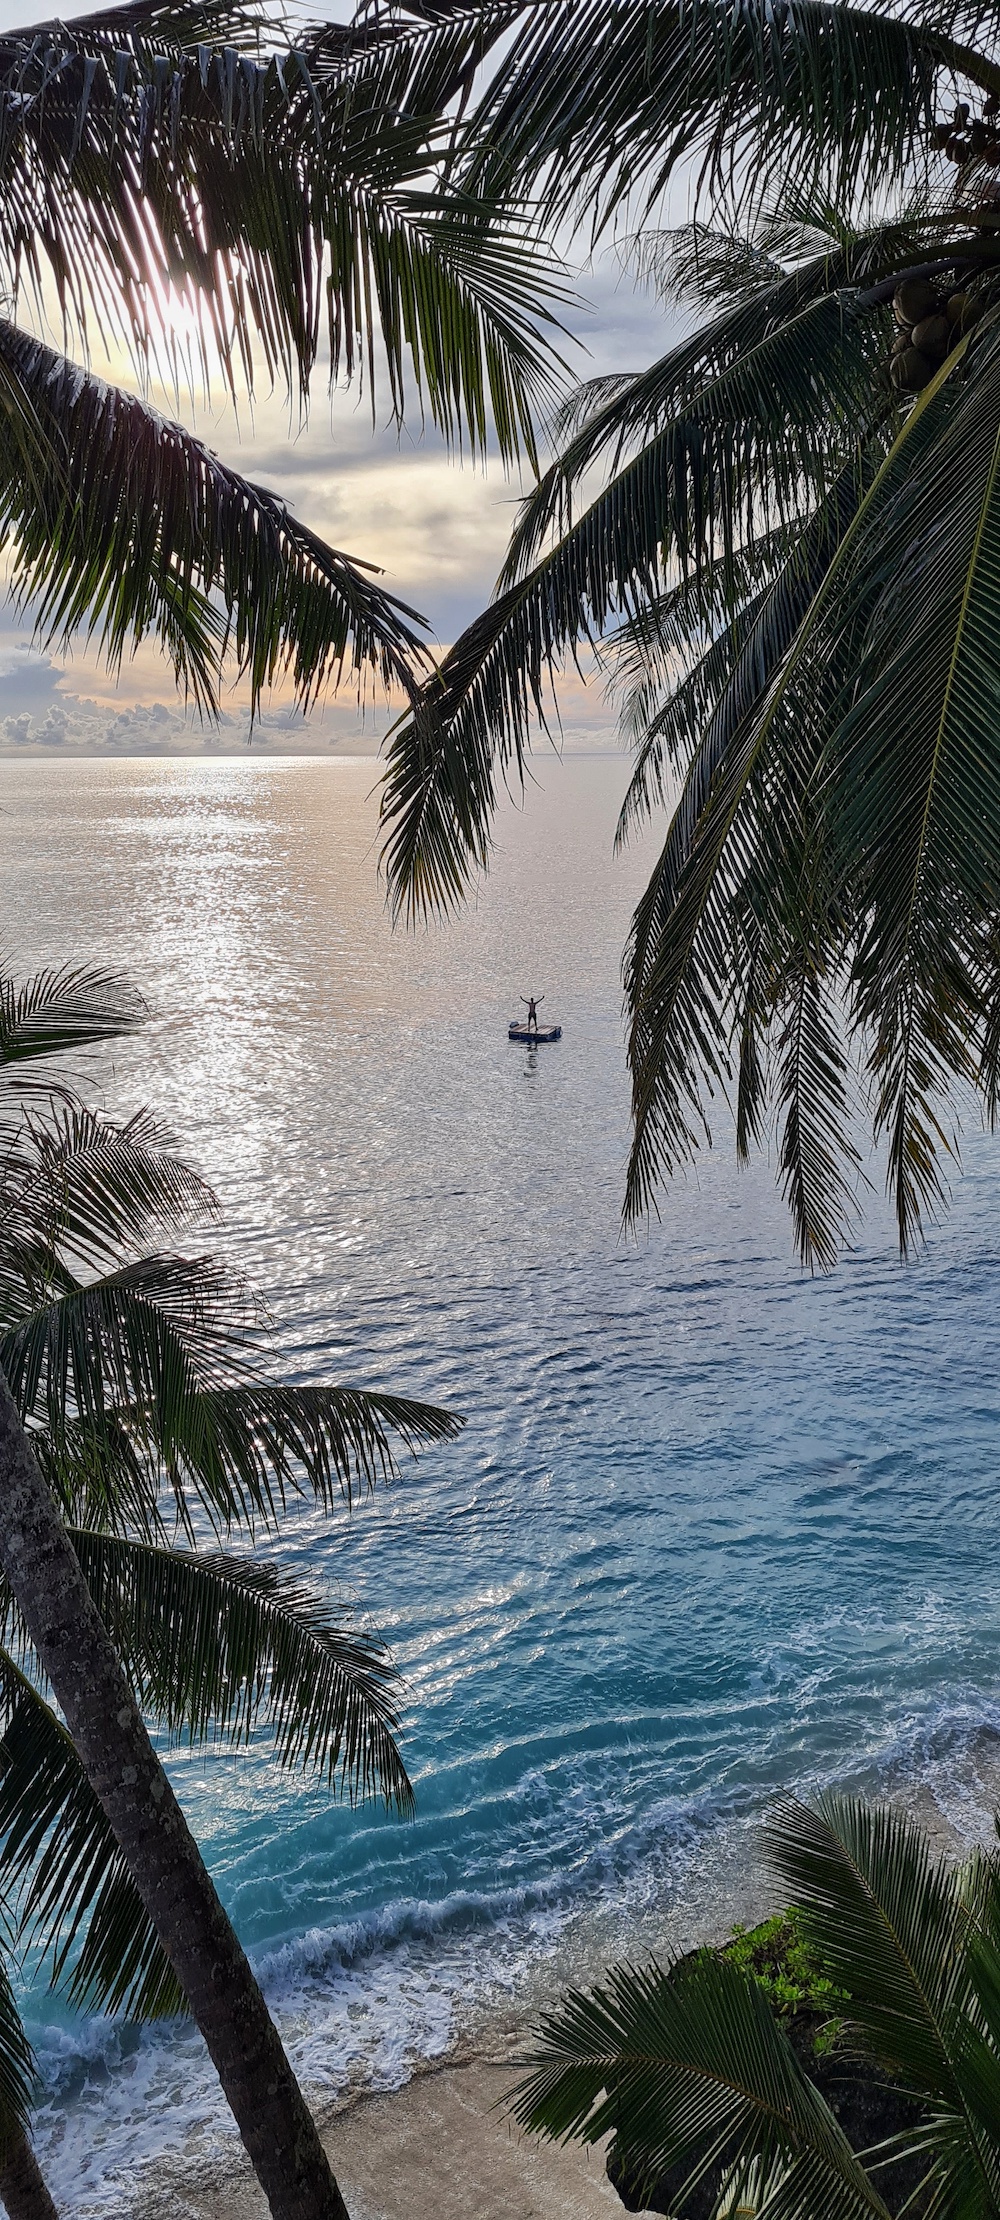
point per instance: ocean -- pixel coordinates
(714, 1529)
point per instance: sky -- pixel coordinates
(435, 526)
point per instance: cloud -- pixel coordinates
(28, 678)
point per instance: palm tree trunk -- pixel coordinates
(23, 2193)
(115, 1750)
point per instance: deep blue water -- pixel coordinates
(713, 1528)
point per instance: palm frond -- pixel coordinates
(680, 973)
(242, 1450)
(289, 198)
(691, 2070)
(60, 1853)
(145, 1381)
(723, 264)
(789, 365)
(79, 1191)
(140, 531)
(213, 1646)
(596, 105)
(217, 1646)
(913, 804)
(884, 1917)
(18, 2078)
(681, 978)
(149, 1337)
(683, 648)
(819, 1162)
(71, 1007)
(793, 408)
(704, 262)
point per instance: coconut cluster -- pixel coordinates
(930, 322)
(969, 138)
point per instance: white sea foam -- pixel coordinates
(359, 2005)
(366, 2003)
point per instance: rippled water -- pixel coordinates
(712, 1529)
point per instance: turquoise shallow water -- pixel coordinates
(713, 1529)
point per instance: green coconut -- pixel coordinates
(954, 307)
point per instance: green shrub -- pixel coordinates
(777, 1956)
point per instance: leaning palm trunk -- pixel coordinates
(23, 2193)
(75, 1652)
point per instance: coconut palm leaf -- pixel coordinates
(787, 334)
(64, 1008)
(78, 1190)
(904, 855)
(145, 1378)
(885, 1918)
(215, 1647)
(669, 661)
(689, 2067)
(17, 2068)
(673, 502)
(674, 2062)
(260, 1440)
(282, 200)
(722, 264)
(741, 429)
(771, 625)
(237, 1455)
(917, 822)
(140, 531)
(154, 1333)
(667, 734)
(218, 1645)
(61, 1854)
(596, 104)
(681, 978)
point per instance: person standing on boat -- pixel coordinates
(532, 1011)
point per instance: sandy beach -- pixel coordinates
(441, 2148)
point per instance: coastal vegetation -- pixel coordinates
(139, 1404)
(781, 540)
(840, 2060)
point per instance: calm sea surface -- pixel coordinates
(713, 1529)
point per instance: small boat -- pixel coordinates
(533, 1034)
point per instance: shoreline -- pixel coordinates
(439, 2148)
(439, 2145)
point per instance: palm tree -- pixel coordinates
(290, 203)
(293, 200)
(694, 2072)
(216, 1647)
(131, 1388)
(783, 539)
